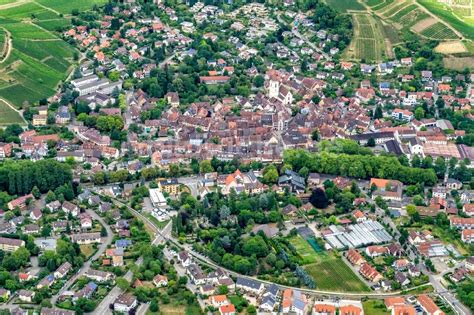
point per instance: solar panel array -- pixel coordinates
(357, 235)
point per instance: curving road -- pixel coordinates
(206, 261)
(103, 246)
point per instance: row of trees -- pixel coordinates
(19, 177)
(358, 166)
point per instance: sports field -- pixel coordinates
(332, 274)
(39, 59)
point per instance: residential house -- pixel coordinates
(185, 259)
(250, 286)
(293, 180)
(86, 238)
(355, 257)
(160, 281)
(62, 270)
(323, 308)
(26, 296)
(428, 305)
(10, 244)
(71, 208)
(125, 303)
(387, 189)
(20, 202)
(99, 276)
(369, 272)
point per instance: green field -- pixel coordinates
(368, 43)
(332, 274)
(394, 9)
(439, 31)
(382, 5)
(39, 59)
(345, 5)
(305, 251)
(375, 307)
(8, 115)
(66, 6)
(444, 12)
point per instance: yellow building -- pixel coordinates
(10, 244)
(170, 186)
(40, 120)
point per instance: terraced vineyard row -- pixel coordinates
(439, 31)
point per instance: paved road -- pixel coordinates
(457, 306)
(104, 305)
(303, 38)
(103, 246)
(192, 183)
(445, 294)
(206, 261)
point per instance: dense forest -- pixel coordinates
(19, 177)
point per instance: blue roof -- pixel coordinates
(92, 285)
(299, 304)
(123, 243)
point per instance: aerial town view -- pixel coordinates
(182, 157)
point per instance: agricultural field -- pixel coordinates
(369, 41)
(39, 59)
(403, 13)
(345, 5)
(66, 6)
(9, 116)
(382, 4)
(331, 273)
(463, 25)
(451, 48)
(439, 31)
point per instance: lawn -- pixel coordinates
(305, 251)
(428, 288)
(345, 5)
(171, 309)
(8, 115)
(331, 273)
(88, 250)
(375, 307)
(158, 224)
